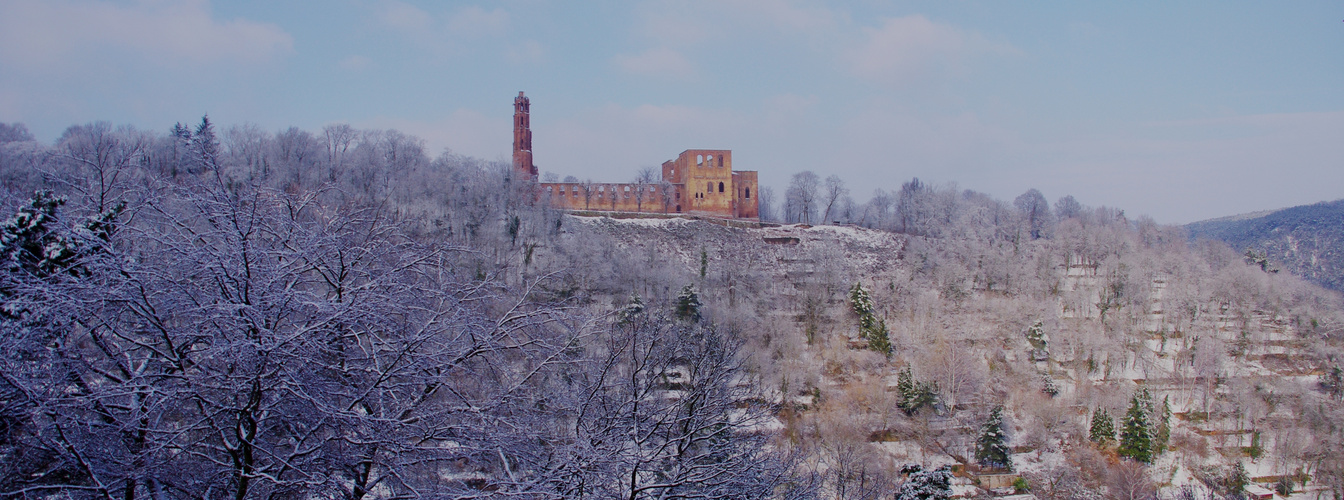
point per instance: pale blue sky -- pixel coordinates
(1180, 110)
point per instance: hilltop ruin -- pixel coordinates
(697, 182)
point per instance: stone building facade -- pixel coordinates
(697, 182)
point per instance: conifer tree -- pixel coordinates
(871, 327)
(1162, 434)
(991, 449)
(1103, 428)
(905, 384)
(914, 394)
(923, 484)
(206, 145)
(688, 304)
(1136, 440)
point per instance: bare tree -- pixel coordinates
(834, 190)
(14, 132)
(1036, 211)
(268, 347)
(588, 190)
(1067, 207)
(662, 417)
(644, 181)
(802, 197)
(103, 161)
(765, 203)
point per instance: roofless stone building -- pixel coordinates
(697, 182)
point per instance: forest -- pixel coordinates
(206, 313)
(1304, 240)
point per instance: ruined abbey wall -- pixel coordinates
(698, 181)
(648, 198)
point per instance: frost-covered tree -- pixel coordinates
(801, 198)
(914, 394)
(688, 304)
(1162, 430)
(834, 190)
(991, 447)
(1035, 210)
(871, 328)
(1102, 430)
(1136, 439)
(921, 484)
(660, 416)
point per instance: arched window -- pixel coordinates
(709, 186)
(746, 193)
(720, 160)
(720, 187)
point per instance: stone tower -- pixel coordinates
(522, 139)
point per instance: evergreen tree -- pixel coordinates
(905, 384)
(871, 327)
(1136, 440)
(631, 310)
(205, 145)
(1162, 435)
(1036, 335)
(32, 242)
(1146, 402)
(1333, 382)
(991, 449)
(913, 393)
(688, 304)
(925, 485)
(1103, 428)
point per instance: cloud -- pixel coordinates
(787, 15)
(906, 48)
(475, 22)
(42, 33)
(406, 18)
(355, 63)
(681, 23)
(526, 51)
(658, 61)
(444, 34)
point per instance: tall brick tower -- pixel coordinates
(522, 139)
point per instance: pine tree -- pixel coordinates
(205, 145)
(921, 484)
(905, 385)
(1136, 441)
(631, 310)
(914, 394)
(871, 327)
(688, 304)
(991, 449)
(1036, 335)
(1162, 435)
(1103, 428)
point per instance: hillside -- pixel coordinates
(1227, 347)
(1306, 240)
(362, 321)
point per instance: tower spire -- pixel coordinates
(522, 138)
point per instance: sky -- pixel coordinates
(1182, 111)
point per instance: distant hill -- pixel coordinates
(1306, 240)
